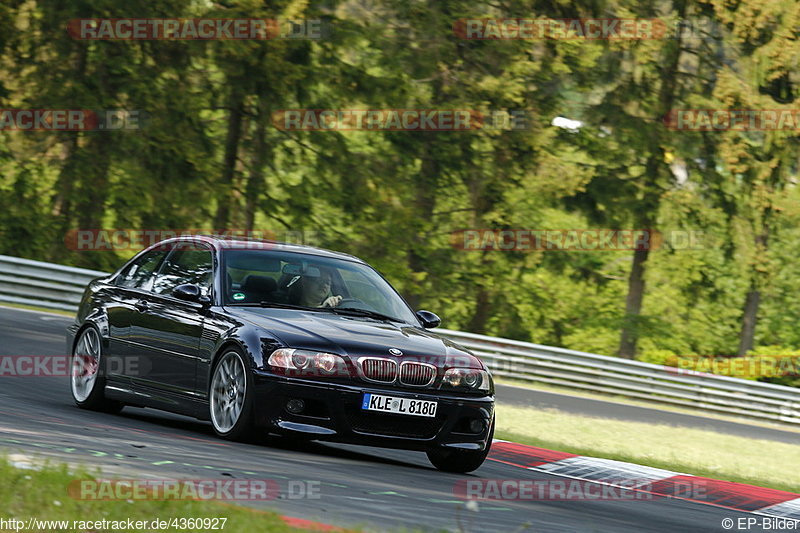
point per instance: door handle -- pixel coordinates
(141, 305)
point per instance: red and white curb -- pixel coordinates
(725, 494)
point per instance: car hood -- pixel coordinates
(356, 336)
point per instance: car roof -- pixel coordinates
(223, 242)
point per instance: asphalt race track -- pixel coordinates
(372, 488)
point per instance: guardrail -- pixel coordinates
(612, 375)
(47, 285)
(60, 287)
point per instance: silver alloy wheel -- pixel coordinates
(228, 388)
(85, 365)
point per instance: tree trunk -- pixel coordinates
(477, 323)
(69, 175)
(424, 203)
(753, 299)
(232, 139)
(666, 97)
(747, 335)
(94, 183)
(63, 201)
(255, 183)
(633, 305)
(484, 195)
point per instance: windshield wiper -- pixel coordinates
(347, 311)
(288, 306)
(352, 311)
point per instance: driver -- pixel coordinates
(313, 291)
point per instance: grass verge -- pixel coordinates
(27, 307)
(42, 494)
(686, 450)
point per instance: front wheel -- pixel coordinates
(87, 379)
(231, 397)
(460, 461)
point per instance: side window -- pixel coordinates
(139, 274)
(188, 263)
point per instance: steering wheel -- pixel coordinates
(360, 304)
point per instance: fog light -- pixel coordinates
(476, 426)
(295, 406)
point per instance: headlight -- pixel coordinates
(467, 378)
(302, 360)
(308, 362)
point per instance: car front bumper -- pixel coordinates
(333, 412)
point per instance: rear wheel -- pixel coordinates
(460, 461)
(87, 376)
(231, 397)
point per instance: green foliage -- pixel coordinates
(208, 156)
(50, 492)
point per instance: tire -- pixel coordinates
(460, 461)
(87, 374)
(230, 397)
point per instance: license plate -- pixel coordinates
(402, 406)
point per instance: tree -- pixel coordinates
(763, 164)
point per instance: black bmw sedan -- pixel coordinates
(267, 337)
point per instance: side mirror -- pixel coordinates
(190, 293)
(429, 320)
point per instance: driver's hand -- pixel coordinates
(332, 301)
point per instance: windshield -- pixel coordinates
(272, 277)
